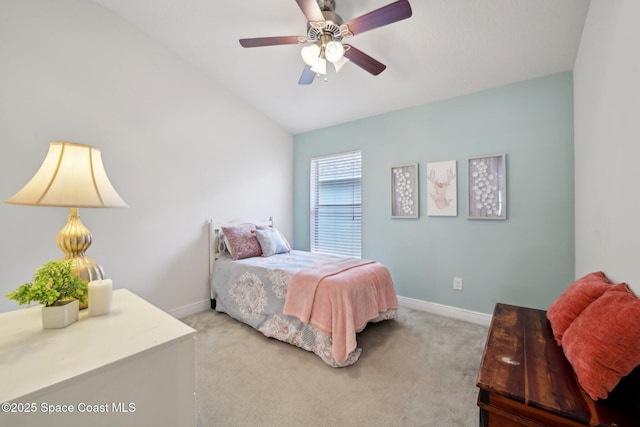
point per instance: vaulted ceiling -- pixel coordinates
(446, 49)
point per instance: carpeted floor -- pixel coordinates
(418, 370)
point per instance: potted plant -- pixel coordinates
(55, 287)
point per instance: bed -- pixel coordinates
(314, 301)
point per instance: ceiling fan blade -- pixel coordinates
(307, 76)
(271, 41)
(311, 10)
(364, 61)
(394, 12)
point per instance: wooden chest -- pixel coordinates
(525, 379)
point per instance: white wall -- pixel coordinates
(607, 142)
(178, 147)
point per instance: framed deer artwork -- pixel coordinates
(442, 187)
(404, 191)
(487, 187)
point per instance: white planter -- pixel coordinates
(60, 316)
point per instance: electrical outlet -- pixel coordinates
(457, 283)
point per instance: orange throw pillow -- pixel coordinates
(603, 343)
(563, 311)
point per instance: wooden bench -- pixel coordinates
(525, 379)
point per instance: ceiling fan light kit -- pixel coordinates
(325, 32)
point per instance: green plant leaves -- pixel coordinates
(52, 282)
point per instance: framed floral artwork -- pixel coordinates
(442, 189)
(487, 187)
(404, 191)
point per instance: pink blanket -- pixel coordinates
(339, 299)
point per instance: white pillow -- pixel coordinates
(271, 242)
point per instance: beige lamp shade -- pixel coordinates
(72, 175)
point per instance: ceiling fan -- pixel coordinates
(325, 32)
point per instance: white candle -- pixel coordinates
(100, 297)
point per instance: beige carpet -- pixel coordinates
(418, 370)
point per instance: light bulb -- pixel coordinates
(340, 63)
(320, 67)
(334, 51)
(310, 54)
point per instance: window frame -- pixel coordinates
(342, 185)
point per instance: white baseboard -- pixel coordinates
(190, 309)
(446, 310)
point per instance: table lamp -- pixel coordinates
(72, 175)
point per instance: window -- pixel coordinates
(336, 209)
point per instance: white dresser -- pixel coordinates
(132, 367)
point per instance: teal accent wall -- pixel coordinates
(527, 259)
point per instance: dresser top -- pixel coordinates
(33, 358)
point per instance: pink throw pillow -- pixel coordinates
(241, 241)
(563, 311)
(603, 343)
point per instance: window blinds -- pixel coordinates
(336, 211)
